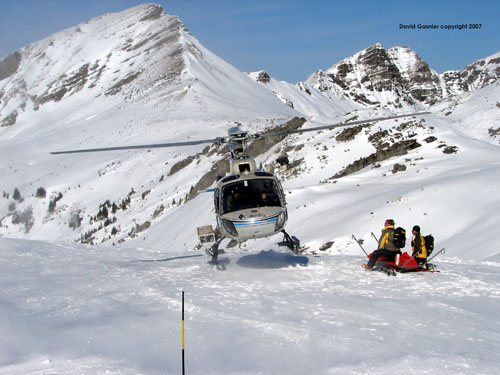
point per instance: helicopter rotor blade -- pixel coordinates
(231, 138)
(341, 124)
(136, 147)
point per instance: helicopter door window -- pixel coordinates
(235, 197)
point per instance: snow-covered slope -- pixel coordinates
(307, 99)
(68, 309)
(476, 114)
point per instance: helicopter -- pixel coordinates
(249, 203)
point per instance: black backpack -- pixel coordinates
(429, 244)
(399, 237)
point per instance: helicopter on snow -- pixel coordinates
(249, 203)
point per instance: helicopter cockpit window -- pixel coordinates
(250, 194)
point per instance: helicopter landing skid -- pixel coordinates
(293, 243)
(214, 250)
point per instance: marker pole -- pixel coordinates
(183, 368)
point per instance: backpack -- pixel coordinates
(429, 244)
(399, 237)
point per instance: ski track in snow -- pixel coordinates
(69, 309)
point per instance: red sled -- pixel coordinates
(405, 264)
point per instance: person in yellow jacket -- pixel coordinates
(418, 246)
(386, 246)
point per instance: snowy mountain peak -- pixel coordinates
(396, 78)
(142, 54)
(114, 53)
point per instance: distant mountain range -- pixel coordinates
(145, 54)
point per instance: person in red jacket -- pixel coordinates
(386, 246)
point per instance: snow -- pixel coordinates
(115, 307)
(70, 309)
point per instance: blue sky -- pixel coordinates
(291, 39)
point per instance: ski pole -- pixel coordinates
(376, 239)
(355, 239)
(439, 252)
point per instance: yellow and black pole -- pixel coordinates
(183, 368)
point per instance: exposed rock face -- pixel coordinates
(348, 134)
(417, 78)
(397, 149)
(9, 65)
(263, 77)
(474, 76)
(376, 77)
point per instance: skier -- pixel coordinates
(418, 247)
(386, 246)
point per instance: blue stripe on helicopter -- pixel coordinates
(251, 223)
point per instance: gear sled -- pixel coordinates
(405, 263)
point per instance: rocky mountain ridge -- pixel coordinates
(397, 78)
(474, 76)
